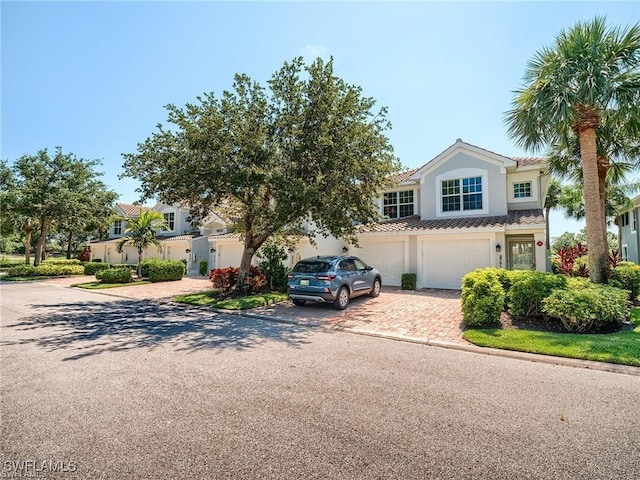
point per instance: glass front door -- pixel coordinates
(522, 255)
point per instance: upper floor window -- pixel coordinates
(634, 221)
(462, 194)
(398, 204)
(522, 190)
(170, 219)
(117, 227)
(624, 219)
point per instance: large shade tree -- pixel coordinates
(43, 190)
(590, 76)
(140, 233)
(308, 147)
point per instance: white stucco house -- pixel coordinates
(464, 209)
(628, 232)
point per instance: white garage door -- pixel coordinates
(388, 257)
(229, 255)
(446, 262)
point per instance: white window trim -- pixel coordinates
(414, 203)
(534, 190)
(175, 218)
(625, 252)
(634, 220)
(459, 174)
(114, 227)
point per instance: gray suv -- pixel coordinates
(332, 279)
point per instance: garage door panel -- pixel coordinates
(446, 262)
(387, 257)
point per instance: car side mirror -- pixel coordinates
(369, 268)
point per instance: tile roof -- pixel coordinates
(524, 161)
(221, 236)
(172, 238)
(131, 210)
(406, 175)
(513, 217)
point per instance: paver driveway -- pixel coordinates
(427, 314)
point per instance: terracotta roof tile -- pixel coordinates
(514, 217)
(171, 238)
(406, 175)
(524, 161)
(131, 210)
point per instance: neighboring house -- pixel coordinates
(467, 208)
(182, 239)
(628, 232)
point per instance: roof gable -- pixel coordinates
(460, 146)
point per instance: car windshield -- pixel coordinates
(311, 267)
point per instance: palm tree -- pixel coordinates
(551, 201)
(590, 77)
(141, 233)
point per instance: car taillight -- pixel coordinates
(325, 277)
(290, 276)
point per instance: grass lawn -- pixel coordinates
(241, 303)
(620, 347)
(101, 286)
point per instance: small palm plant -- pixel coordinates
(141, 233)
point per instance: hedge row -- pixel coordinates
(45, 270)
(115, 275)
(162, 270)
(92, 268)
(580, 305)
(61, 261)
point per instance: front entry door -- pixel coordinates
(522, 255)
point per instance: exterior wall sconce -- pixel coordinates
(498, 248)
(213, 250)
(188, 250)
(290, 250)
(345, 249)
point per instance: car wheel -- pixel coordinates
(342, 300)
(298, 302)
(375, 290)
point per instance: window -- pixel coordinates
(624, 219)
(522, 190)
(469, 197)
(117, 227)
(398, 204)
(170, 219)
(634, 221)
(625, 253)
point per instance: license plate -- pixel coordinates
(304, 283)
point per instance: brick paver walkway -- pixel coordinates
(424, 314)
(427, 314)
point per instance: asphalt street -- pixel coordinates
(99, 387)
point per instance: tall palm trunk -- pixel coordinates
(603, 168)
(593, 210)
(547, 211)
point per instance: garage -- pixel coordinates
(388, 256)
(445, 262)
(229, 254)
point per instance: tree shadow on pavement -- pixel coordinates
(91, 328)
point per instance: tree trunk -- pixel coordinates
(139, 263)
(593, 210)
(27, 244)
(69, 241)
(39, 255)
(547, 210)
(603, 168)
(245, 263)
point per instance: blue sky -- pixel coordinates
(93, 77)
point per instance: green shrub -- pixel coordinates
(146, 264)
(165, 270)
(91, 268)
(587, 307)
(45, 270)
(115, 275)
(627, 277)
(132, 267)
(482, 298)
(61, 261)
(529, 289)
(203, 268)
(184, 265)
(22, 271)
(97, 260)
(409, 281)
